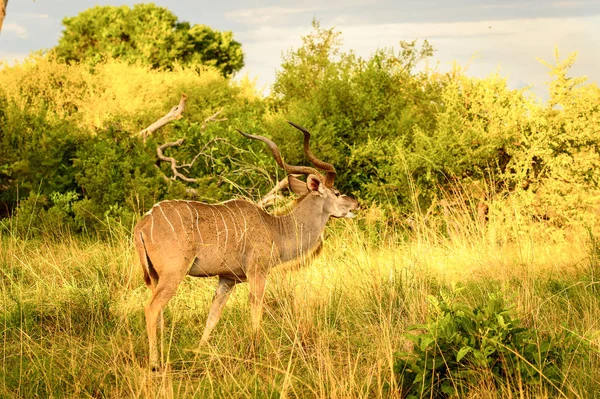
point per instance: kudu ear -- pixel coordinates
(313, 183)
(297, 186)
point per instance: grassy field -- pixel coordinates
(71, 312)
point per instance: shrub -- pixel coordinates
(461, 347)
(359, 108)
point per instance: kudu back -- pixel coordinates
(235, 240)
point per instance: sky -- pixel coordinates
(488, 36)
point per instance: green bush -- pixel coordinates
(461, 347)
(68, 130)
(399, 137)
(36, 155)
(360, 109)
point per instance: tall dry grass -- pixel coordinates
(72, 310)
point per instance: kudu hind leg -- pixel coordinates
(161, 294)
(224, 290)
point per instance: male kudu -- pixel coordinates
(235, 240)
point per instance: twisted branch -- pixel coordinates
(173, 114)
(270, 198)
(212, 118)
(173, 161)
(175, 167)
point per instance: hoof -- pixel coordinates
(155, 368)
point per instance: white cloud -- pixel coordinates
(509, 45)
(384, 32)
(16, 29)
(505, 5)
(256, 16)
(30, 15)
(512, 45)
(571, 3)
(263, 15)
(271, 34)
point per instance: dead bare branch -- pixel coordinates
(270, 198)
(212, 118)
(173, 161)
(175, 167)
(190, 191)
(173, 114)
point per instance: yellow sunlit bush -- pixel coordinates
(114, 91)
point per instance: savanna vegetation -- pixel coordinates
(471, 271)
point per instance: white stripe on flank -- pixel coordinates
(198, 226)
(152, 229)
(217, 231)
(192, 216)
(180, 218)
(233, 220)
(244, 235)
(182, 225)
(166, 218)
(189, 209)
(224, 224)
(243, 217)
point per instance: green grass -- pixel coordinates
(71, 313)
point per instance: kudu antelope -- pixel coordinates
(235, 240)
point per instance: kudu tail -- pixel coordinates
(149, 272)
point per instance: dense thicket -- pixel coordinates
(70, 152)
(409, 142)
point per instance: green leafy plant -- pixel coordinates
(461, 347)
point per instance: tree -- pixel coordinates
(149, 34)
(3, 5)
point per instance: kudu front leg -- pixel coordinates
(257, 282)
(224, 290)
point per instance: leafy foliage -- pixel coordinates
(557, 157)
(361, 108)
(403, 138)
(461, 347)
(148, 34)
(112, 93)
(399, 135)
(68, 129)
(36, 156)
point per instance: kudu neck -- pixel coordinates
(301, 229)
